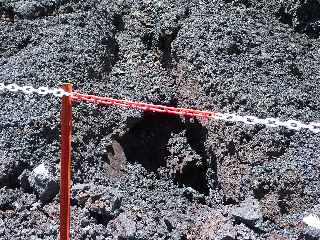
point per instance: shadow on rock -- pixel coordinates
(162, 142)
(303, 16)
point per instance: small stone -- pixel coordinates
(75, 192)
(189, 192)
(41, 171)
(312, 226)
(192, 195)
(312, 221)
(82, 198)
(28, 10)
(43, 183)
(35, 206)
(249, 212)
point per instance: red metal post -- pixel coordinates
(65, 163)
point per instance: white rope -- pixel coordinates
(57, 92)
(250, 120)
(269, 122)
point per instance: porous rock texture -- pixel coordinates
(139, 175)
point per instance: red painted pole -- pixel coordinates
(65, 163)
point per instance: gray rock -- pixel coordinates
(312, 224)
(193, 195)
(28, 9)
(249, 212)
(124, 226)
(76, 190)
(7, 198)
(15, 199)
(211, 55)
(43, 183)
(34, 9)
(311, 232)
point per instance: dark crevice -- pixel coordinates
(46, 213)
(187, 12)
(246, 3)
(307, 237)
(66, 9)
(184, 15)
(295, 71)
(24, 42)
(233, 48)
(228, 238)
(148, 40)
(231, 148)
(229, 201)
(11, 178)
(111, 56)
(194, 175)
(279, 147)
(245, 138)
(165, 45)
(283, 203)
(213, 165)
(101, 217)
(276, 153)
(7, 13)
(118, 23)
(47, 135)
(302, 15)
(42, 134)
(261, 190)
(7, 207)
(284, 16)
(196, 136)
(146, 143)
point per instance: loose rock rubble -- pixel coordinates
(138, 175)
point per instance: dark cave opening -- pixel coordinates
(146, 143)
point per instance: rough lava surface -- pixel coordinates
(142, 176)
